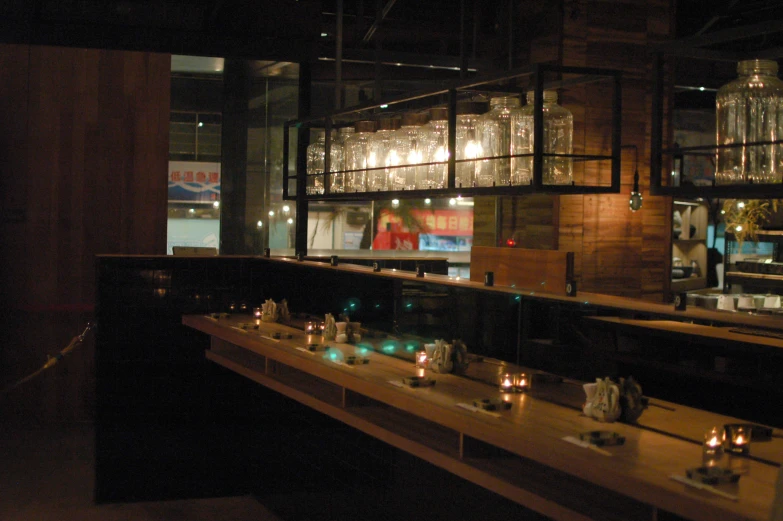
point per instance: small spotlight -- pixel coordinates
(324, 35)
(290, 220)
(701, 89)
(260, 224)
(286, 209)
(428, 201)
(216, 204)
(741, 205)
(191, 211)
(452, 202)
(271, 213)
(384, 106)
(395, 203)
(738, 228)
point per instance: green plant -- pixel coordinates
(744, 218)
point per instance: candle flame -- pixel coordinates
(740, 439)
(713, 442)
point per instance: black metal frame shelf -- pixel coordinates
(536, 76)
(699, 48)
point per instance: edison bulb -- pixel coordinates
(635, 203)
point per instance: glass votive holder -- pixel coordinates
(714, 440)
(257, 312)
(738, 438)
(311, 328)
(422, 360)
(506, 383)
(521, 382)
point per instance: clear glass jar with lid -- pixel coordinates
(436, 175)
(316, 156)
(356, 156)
(468, 142)
(495, 132)
(558, 139)
(749, 110)
(410, 148)
(378, 161)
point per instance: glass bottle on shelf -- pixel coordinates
(747, 110)
(316, 155)
(410, 147)
(468, 143)
(558, 139)
(380, 147)
(495, 132)
(435, 176)
(357, 155)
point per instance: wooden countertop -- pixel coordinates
(717, 333)
(428, 423)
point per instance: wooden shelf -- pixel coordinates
(531, 464)
(754, 276)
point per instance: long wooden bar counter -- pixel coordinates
(519, 454)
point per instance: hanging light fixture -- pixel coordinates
(635, 202)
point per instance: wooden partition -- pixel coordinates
(84, 147)
(538, 270)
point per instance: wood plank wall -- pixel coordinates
(84, 144)
(618, 252)
(615, 251)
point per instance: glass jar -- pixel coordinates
(558, 139)
(495, 132)
(316, 155)
(468, 144)
(435, 176)
(747, 110)
(378, 160)
(410, 147)
(356, 156)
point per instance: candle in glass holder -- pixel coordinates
(521, 382)
(421, 359)
(311, 328)
(713, 442)
(738, 438)
(257, 312)
(507, 383)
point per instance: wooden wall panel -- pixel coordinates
(618, 252)
(85, 141)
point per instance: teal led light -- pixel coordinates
(517, 298)
(409, 305)
(377, 306)
(353, 305)
(333, 355)
(388, 348)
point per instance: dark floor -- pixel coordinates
(46, 473)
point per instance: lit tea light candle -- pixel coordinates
(311, 328)
(713, 442)
(421, 359)
(738, 438)
(507, 383)
(257, 312)
(521, 382)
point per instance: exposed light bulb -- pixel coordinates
(290, 221)
(738, 228)
(216, 204)
(260, 224)
(741, 205)
(395, 203)
(635, 203)
(271, 213)
(428, 201)
(286, 209)
(452, 202)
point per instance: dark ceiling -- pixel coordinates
(428, 33)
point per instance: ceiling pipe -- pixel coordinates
(378, 19)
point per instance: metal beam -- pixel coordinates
(374, 27)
